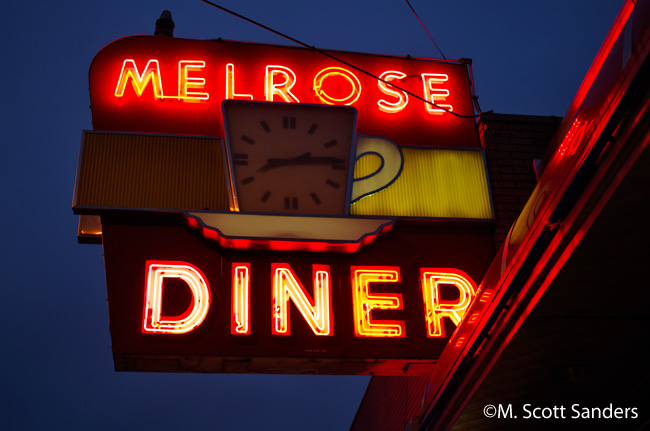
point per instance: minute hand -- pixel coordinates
(304, 159)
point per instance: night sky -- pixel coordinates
(56, 362)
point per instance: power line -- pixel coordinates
(333, 57)
(425, 29)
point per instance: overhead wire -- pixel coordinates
(335, 58)
(425, 28)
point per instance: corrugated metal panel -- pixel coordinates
(150, 171)
(436, 183)
(366, 165)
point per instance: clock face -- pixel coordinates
(290, 158)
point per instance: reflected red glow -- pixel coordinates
(573, 137)
(486, 295)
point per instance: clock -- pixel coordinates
(290, 158)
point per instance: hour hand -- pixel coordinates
(302, 160)
(278, 163)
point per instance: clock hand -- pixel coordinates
(277, 163)
(323, 161)
(303, 159)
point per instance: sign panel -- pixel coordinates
(176, 86)
(188, 302)
(249, 225)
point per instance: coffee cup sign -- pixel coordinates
(299, 159)
(389, 159)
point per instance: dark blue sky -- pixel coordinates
(57, 370)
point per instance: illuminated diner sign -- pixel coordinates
(269, 209)
(179, 303)
(176, 86)
(315, 307)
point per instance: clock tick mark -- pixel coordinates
(247, 180)
(314, 197)
(290, 203)
(312, 129)
(265, 126)
(247, 139)
(330, 143)
(289, 122)
(266, 196)
(332, 184)
(240, 159)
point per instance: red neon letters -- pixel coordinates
(287, 286)
(151, 74)
(331, 85)
(435, 308)
(241, 285)
(364, 302)
(157, 272)
(402, 97)
(313, 302)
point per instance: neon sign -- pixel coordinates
(394, 303)
(137, 82)
(432, 83)
(182, 302)
(287, 286)
(402, 97)
(365, 302)
(157, 272)
(316, 309)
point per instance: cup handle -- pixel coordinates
(390, 168)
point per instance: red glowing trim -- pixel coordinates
(355, 89)
(434, 308)
(316, 312)
(139, 81)
(603, 53)
(209, 228)
(282, 89)
(230, 84)
(573, 137)
(240, 315)
(157, 271)
(435, 94)
(363, 303)
(187, 83)
(402, 97)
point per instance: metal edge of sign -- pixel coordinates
(293, 241)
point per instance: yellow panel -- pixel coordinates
(119, 170)
(367, 165)
(436, 183)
